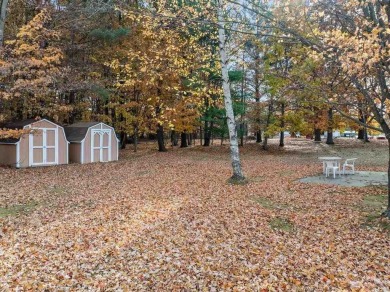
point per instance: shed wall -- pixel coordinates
(75, 152)
(8, 154)
(43, 124)
(114, 143)
(24, 153)
(62, 143)
(87, 143)
(63, 151)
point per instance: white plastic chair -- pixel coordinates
(349, 163)
(331, 166)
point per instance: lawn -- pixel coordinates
(169, 221)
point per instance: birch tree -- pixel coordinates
(3, 13)
(234, 151)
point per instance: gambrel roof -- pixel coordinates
(77, 132)
(17, 125)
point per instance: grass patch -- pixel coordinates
(17, 209)
(268, 204)
(373, 206)
(257, 179)
(374, 202)
(282, 224)
(234, 180)
(286, 173)
(59, 190)
(376, 220)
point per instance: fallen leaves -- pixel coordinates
(170, 222)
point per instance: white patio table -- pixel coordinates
(334, 159)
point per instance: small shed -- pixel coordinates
(44, 145)
(92, 142)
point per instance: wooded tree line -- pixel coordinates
(153, 67)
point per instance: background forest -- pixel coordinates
(153, 67)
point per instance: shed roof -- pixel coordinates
(9, 140)
(16, 125)
(77, 132)
(19, 125)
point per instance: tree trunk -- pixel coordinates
(265, 143)
(281, 139)
(72, 100)
(329, 136)
(3, 13)
(241, 134)
(361, 130)
(200, 135)
(234, 151)
(174, 138)
(360, 133)
(242, 124)
(317, 135)
(282, 124)
(387, 212)
(207, 133)
(365, 135)
(183, 140)
(189, 137)
(160, 138)
(257, 92)
(258, 137)
(136, 139)
(123, 140)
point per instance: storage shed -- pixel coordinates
(92, 142)
(45, 145)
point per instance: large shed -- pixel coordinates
(44, 145)
(92, 142)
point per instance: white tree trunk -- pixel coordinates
(234, 152)
(3, 13)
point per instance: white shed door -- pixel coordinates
(100, 145)
(43, 147)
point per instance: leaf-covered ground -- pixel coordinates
(169, 221)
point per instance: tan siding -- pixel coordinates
(87, 147)
(43, 124)
(24, 151)
(63, 147)
(75, 152)
(114, 146)
(8, 155)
